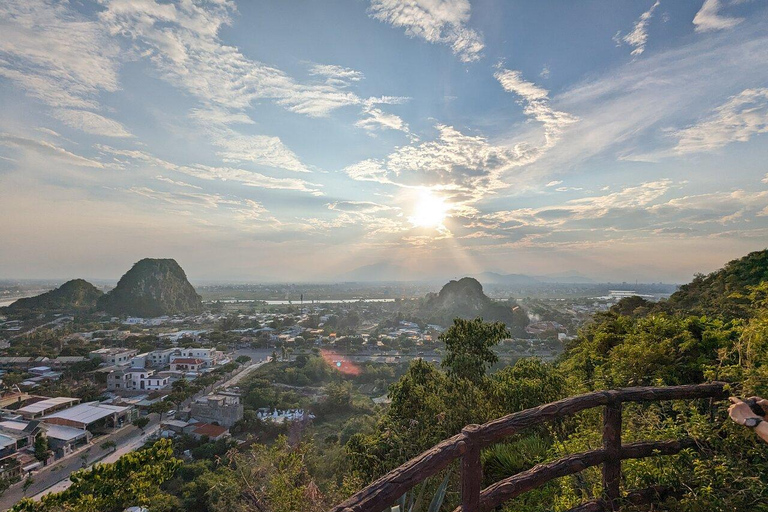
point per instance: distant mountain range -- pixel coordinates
(387, 272)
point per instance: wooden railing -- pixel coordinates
(468, 444)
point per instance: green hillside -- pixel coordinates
(151, 288)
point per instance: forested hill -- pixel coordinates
(723, 292)
(74, 295)
(152, 287)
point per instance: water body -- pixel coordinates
(306, 301)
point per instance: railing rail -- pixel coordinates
(473, 438)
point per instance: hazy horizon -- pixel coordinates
(297, 141)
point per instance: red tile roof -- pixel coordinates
(187, 360)
(206, 429)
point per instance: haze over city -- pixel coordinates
(279, 140)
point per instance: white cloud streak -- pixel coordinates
(638, 38)
(709, 18)
(737, 120)
(435, 21)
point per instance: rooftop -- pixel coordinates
(206, 429)
(48, 403)
(88, 413)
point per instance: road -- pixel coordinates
(55, 477)
(56, 322)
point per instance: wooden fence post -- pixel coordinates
(612, 447)
(471, 472)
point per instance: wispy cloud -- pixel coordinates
(90, 122)
(441, 21)
(709, 17)
(737, 120)
(358, 206)
(639, 35)
(49, 150)
(535, 101)
(61, 58)
(138, 158)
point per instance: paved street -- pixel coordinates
(53, 477)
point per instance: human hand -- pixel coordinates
(740, 412)
(762, 402)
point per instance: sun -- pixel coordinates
(429, 211)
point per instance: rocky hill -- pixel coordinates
(152, 287)
(465, 299)
(72, 296)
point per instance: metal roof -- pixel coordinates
(88, 413)
(44, 405)
(64, 433)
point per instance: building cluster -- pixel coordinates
(128, 371)
(66, 423)
(208, 417)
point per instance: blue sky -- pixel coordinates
(274, 140)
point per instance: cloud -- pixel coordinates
(643, 210)
(336, 75)
(49, 150)
(462, 167)
(177, 183)
(553, 183)
(246, 211)
(261, 150)
(361, 207)
(639, 35)
(536, 104)
(182, 42)
(436, 21)
(709, 18)
(136, 158)
(61, 58)
(626, 113)
(737, 120)
(90, 122)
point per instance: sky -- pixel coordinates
(268, 140)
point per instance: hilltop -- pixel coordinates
(77, 294)
(465, 299)
(152, 287)
(722, 292)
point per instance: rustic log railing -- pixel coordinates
(473, 438)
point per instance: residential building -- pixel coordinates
(135, 379)
(212, 432)
(188, 364)
(92, 416)
(47, 406)
(160, 358)
(222, 408)
(114, 356)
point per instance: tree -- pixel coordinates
(109, 445)
(242, 359)
(41, 447)
(141, 422)
(131, 481)
(27, 484)
(468, 344)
